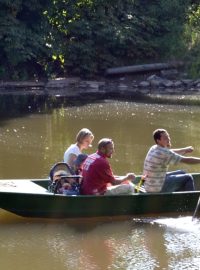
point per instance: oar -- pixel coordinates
(196, 209)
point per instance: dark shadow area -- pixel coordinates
(19, 105)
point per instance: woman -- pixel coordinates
(84, 139)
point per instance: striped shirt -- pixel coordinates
(156, 165)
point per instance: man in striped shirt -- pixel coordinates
(157, 161)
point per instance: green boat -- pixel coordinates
(31, 198)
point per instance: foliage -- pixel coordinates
(22, 38)
(84, 37)
(97, 34)
(193, 36)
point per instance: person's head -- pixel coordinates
(162, 138)
(78, 163)
(84, 138)
(106, 147)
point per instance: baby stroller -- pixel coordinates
(63, 180)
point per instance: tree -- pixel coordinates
(23, 30)
(193, 40)
(84, 37)
(97, 34)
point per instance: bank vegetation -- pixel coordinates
(55, 38)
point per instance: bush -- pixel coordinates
(85, 37)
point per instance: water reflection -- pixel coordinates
(177, 240)
(150, 243)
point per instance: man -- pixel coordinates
(97, 173)
(156, 163)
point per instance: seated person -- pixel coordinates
(157, 161)
(97, 173)
(84, 140)
(78, 164)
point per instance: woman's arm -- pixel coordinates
(72, 158)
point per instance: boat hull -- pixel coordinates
(48, 205)
(55, 206)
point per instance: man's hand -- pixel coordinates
(189, 149)
(183, 151)
(130, 176)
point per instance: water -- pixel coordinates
(182, 224)
(31, 144)
(99, 244)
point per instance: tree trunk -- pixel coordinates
(143, 68)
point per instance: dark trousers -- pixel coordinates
(178, 181)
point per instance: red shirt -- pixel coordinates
(96, 174)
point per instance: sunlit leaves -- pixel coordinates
(192, 31)
(84, 37)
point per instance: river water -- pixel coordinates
(32, 143)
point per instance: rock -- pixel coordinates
(154, 77)
(169, 74)
(122, 87)
(178, 83)
(192, 89)
(83, 84)
(93, 85)
(134, 84)
(62, 82)
(187, 82)
(155, 83)
(196, 82)
(169, 91)
(145, 90)
(144, 84)
(167, 83)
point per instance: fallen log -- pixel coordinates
(143, 68)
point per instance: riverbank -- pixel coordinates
(71, 86)
(150, 87)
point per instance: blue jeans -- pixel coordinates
(178, 181)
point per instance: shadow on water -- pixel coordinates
(79, 225)
(14, 105)
(83, 225)
(18, 105)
